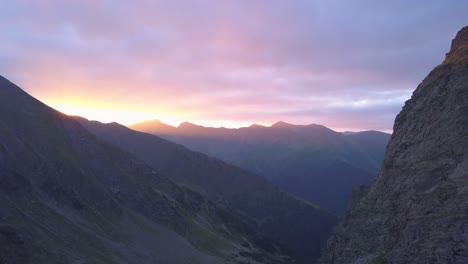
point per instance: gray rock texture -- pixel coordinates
(416, 211)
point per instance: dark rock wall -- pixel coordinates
(417, 209)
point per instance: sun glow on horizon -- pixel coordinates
(127, 114)
(126, 117)
(108, 113)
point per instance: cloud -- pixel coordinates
(330, 62)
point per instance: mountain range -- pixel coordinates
(301, 228)
(312, 162)
(69, 196)
(79, 191)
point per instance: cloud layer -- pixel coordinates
(344, 64)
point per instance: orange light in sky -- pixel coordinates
(108, 113)
(104, 115)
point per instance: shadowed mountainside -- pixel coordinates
(310, 161)
(298, 226)
(68, 197)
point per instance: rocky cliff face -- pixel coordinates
(416, 211)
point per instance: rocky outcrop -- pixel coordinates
(416, 211)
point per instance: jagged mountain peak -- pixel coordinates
(282, 124)
(187, 124)
(459, 49)
(416, 210)
(460, 40)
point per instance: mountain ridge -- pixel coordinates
(67, 197)
(145, 126)
(416, 210)
(296, 224)
(310, 161)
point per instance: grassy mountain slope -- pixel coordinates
(68, 197)
(298, 226)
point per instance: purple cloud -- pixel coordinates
(347, 65)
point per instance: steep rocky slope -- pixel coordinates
(68, 197)
(300, 228)
(310, 161)
(417, 209)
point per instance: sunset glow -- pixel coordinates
(226, 63)
(119, 114)
(104, 115)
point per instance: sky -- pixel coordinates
(349, 65)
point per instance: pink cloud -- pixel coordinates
(256, 61)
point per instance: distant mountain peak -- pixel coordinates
(256, 126)
(155, 122)
(282, 124)
(318, 126)
(152, 126)
(188, 125)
